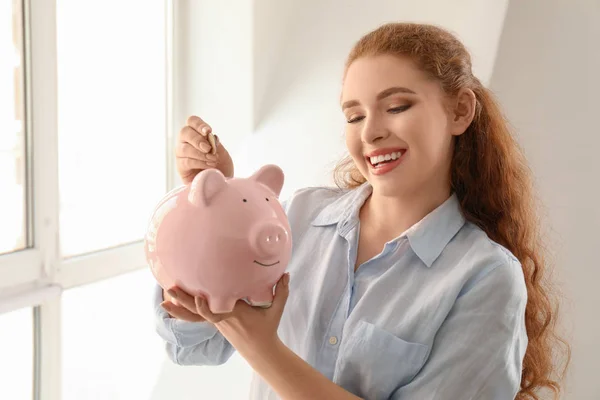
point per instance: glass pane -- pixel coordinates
(110, 347)
(12, 128)
(16, 354)
(111, 120)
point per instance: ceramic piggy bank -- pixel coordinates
(223, 238)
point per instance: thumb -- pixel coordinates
(282, 290)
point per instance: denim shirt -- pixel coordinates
(438, 314)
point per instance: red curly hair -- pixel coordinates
(490, 177)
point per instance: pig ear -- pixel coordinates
(205, 186)
(270, 176)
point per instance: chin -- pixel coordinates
(386, 185)
(393, 184)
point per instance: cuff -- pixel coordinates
(178, 332)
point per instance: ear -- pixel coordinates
(462, 111)
(205, 186)
(271, 176)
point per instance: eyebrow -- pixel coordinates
(382, 95)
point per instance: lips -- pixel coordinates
(383, 161)
(385, 155)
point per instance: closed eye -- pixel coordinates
(355, 120)
(395, 110)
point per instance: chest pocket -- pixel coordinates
(372, 362)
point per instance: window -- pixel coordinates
(111, 120)
(12, 129)
(84, 147)
(16, 348)
(110, 347)
(111, 350)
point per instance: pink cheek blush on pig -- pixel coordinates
(222, 238)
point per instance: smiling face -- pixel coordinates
(398, 130)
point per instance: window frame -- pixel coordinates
(37, 275)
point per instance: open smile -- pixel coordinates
(385, 160)
(266, 265)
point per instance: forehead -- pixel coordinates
(368, 76)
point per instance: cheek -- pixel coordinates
(353, 142)
(354, 147)
(428, 137)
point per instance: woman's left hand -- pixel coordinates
(251, 330)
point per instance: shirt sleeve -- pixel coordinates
(479, 349)
(190, 343)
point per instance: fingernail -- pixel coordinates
(166, 306)
(211, 164)
(211, 157)
(287, 278)
(172, 293)
(205, 130)
(205, 147)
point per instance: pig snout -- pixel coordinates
(269, 239)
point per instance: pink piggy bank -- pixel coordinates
(223, 238)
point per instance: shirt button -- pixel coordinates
(333, 340)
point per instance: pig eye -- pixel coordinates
(245, 200)
(266, 198)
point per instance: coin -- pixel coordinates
(213, 143)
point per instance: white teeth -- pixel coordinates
(387, 157)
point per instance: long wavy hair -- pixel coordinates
(490, 177)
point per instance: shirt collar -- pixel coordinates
(345, 208)
(427, 238)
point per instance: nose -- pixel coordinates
(374, 130)
(269, 239)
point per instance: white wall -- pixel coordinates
(547, 77)
(213, 68)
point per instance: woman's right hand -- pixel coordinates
(193, 151)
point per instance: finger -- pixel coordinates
(203, 310)
(181, 312)
(183, 298)
(199, 143)
(191, 136)
(282, 291)
(186, 150)
(199, 125)
(192, 164)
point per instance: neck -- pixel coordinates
(390, 216)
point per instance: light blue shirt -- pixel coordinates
(438, 314)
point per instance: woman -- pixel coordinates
(423, 278)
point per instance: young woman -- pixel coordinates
(423, 277)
